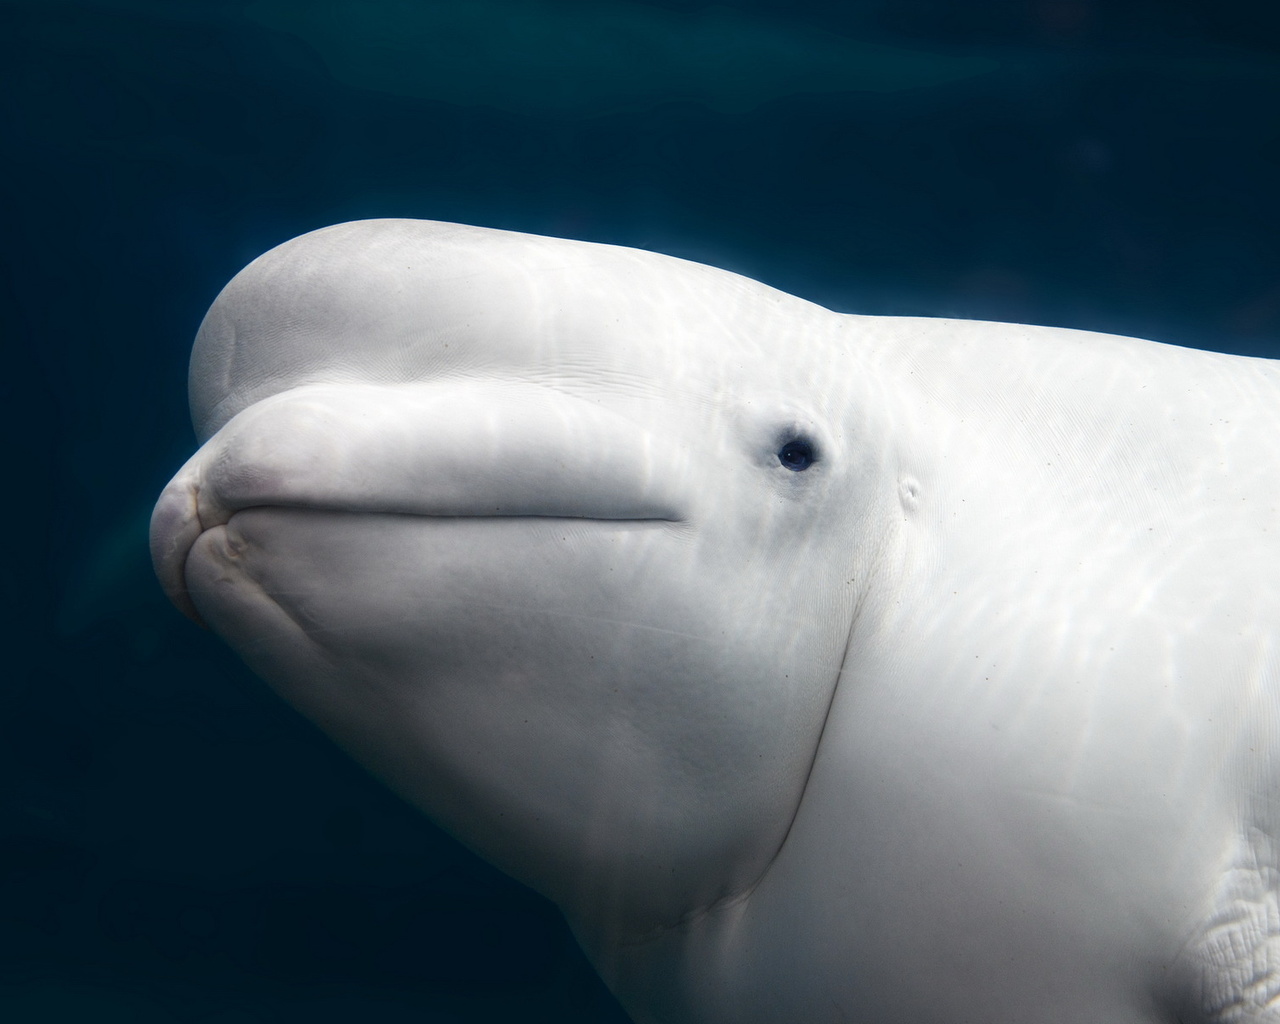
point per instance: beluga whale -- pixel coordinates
(820, 667)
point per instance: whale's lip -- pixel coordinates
(177, 525)
(421, 453)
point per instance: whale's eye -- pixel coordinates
(797, 454)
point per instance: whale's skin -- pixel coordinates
(974, 718)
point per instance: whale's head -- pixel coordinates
(565, 541)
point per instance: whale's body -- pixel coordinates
(821, 668)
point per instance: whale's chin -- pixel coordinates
(439, 652)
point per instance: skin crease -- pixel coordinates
(970, 719)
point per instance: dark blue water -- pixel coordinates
(176, 845)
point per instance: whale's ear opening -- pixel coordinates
(798, 453)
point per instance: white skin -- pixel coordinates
(967, 718)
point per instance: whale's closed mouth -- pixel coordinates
(420, 451)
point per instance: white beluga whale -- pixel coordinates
(821, 668)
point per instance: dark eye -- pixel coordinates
(796, 455)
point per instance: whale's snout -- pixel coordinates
(418, 450)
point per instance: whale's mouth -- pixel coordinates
(492, 453)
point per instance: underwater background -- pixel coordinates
(178, 845)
